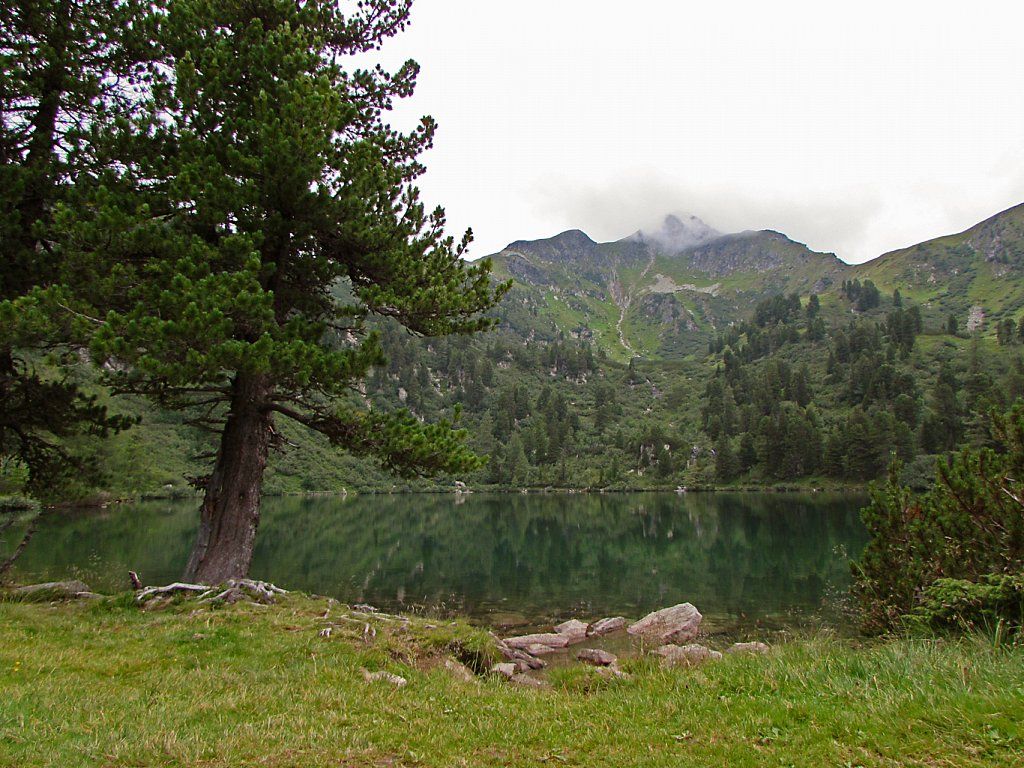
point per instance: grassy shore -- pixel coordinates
(103, 683)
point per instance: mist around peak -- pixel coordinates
(677, 233)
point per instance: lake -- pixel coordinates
(745, 560)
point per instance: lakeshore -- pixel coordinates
(103, 682)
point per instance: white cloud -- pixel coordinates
(857, 128)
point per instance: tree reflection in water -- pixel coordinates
(744, 557)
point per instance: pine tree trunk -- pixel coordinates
(230, 514)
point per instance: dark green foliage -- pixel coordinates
(68, 67)
(230, 244)
(231, 222)
(39, 416)
(727, 465)
(778, 309)
(959, 604)
(942, 425)
(970, 525)
(1006, 331)
(903, 326)
(813, 306)
(864, 296)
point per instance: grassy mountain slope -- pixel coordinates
(641, 297)
(982, 267)
(655, 296)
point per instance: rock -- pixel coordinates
(612, 671)
(606, 626)
(756, 647)
(536, 649)
(597, 657)
(550, 639)
(522, 657)
(157, 603)
(459, 671)
(532, 661)
(524, 664)
(506, 670)
(527, 681)
(574, 630)
(686, 655)
(515, 654)
(386, 677)
(669, 625)
(52, 590)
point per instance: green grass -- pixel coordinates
(107, 684)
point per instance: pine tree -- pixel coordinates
(726, 462)
(813, 307)
(261, 178)
(969, 526)
(748, 452)
(68, 68)
(942, 426)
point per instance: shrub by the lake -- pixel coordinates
(993, 602)
(968, 528)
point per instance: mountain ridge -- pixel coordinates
(664, 296)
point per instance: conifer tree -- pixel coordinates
(67, 68)
(263, 210)
(726, 463)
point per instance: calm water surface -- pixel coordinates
(743, 559)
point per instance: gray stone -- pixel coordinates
(528, 682)
(596, 656)
(515, 654)
(506, 670)
(686, 655)
(606, 626)
(747, 648)
(459, 671)
(532, 661)
(612, 671)
(574, 630)
(384, 677)
(551, 639)
(679, 623)
(536, 649)
(53, 590)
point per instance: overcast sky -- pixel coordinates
(856, 128)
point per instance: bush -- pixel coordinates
(13, 476)
(15, 503)
(968, 526)
(962, 604)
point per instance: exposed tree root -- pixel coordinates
(231, 591)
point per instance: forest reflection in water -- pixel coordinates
(741, 558)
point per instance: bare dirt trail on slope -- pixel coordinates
(624, 298)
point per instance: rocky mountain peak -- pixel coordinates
(677, 233)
